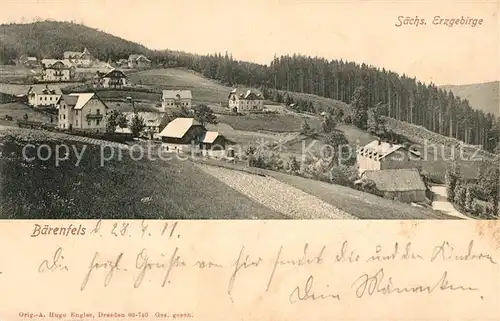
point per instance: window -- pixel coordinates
(88, 123)
(64, 106)
(45, 98)
(60, 116)
(97, 122)
(98, 111)
(77, 122)
(64, 116)
(77, 112)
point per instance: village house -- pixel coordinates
(152, 120)
(186, 134)
(138, 61)
(43, 96)
(30, 62)
(122, 63)
(379, 155)
(81, 59)
(245, 101)
(405, 185)
(57, 70)
(173, 98)
(112, 79)
(84, 111)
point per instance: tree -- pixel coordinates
(328, 123)
(359, 104)
(305, 128)
(460, 194)
(293, 165)
(121, 121)
(111, 121)
(452, 177)
(204, 115)
(137, 125)
(375, 123)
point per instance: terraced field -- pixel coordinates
(276, 195)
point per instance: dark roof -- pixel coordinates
(70, 100)
(396, 180)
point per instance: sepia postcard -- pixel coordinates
(249, 160)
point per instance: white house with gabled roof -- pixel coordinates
(245, 100)
(84, 111)
(173, 98)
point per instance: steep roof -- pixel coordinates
(378, 150)
(44, 90)
(178, 127)
(209, 137)
(49, 62)
(122, 74)
(138, 57)
(246, 93)
(172, 94)
(83, 99)
(70, 100)
(396, 180)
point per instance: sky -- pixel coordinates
(363, 31)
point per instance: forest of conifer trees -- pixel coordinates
(406, 99)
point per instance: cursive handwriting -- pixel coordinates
(343, 257)
(54, 264)
(407, 254)
(304, 260)
(446, 252)
(247, 263)
(308, 294)
(377, 284)
(144, 264)
(94, 265)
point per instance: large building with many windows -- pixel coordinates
(84, 111)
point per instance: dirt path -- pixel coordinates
(441, 203)
(278, 196)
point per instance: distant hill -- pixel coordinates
(50, 39)
(481, 96)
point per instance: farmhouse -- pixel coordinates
(113, 79)
(242, 101)
(379, 155)
(83, 59)
(138, 61)
(172, 98)
(57, 70)
(151, 119)
(30, 62)
(43, 96)
(186, 134)
(82, 111)
(405, 185)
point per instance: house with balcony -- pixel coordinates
(81, 59)
(43, 96)
(57, 71)
(245, 100)
(176, 98)
(82, 111)
(138, 61)
(114, 79)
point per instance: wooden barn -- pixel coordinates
(405, 185)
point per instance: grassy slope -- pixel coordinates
(203, 90)
(39, 189)
(483, 96)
